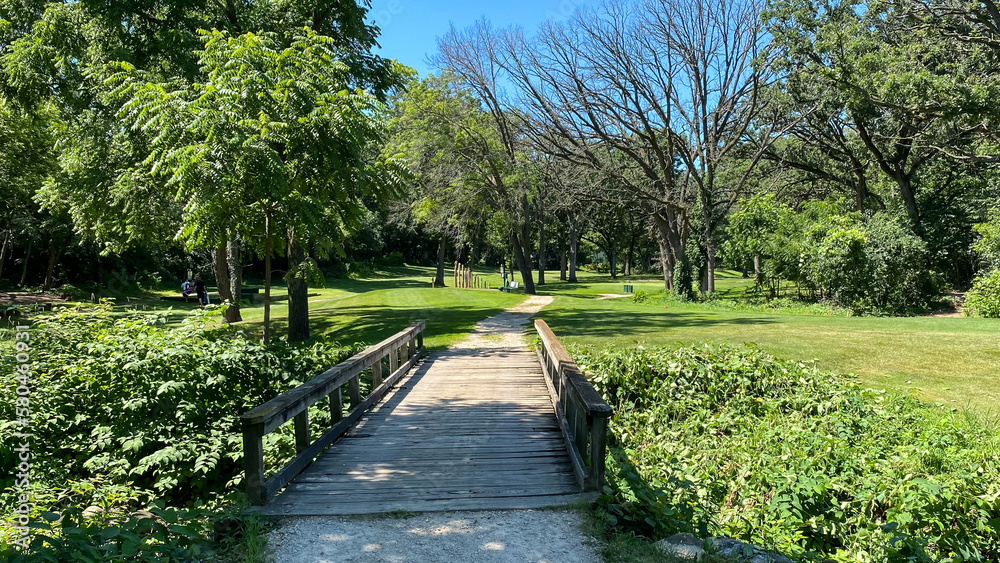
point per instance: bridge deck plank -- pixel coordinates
(467, 430)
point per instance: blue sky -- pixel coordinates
(410, 28)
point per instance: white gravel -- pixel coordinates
(506, 330)
(514, 536)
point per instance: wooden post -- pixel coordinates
(253, 461)
(301, 423)
(355, 390)
(393, 359)
(336, 406)
(420, 340)
(598, 453)
(377, 373)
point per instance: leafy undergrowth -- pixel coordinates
(129, 415)
(732, 441)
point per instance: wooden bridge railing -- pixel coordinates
(582, 413)
(403, 351)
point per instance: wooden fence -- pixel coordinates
(466, 279)
(582, 413)
(402, 350)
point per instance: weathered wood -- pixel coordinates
(326, 507)
(253, 461)
(377, 373)
(282, 408)
(354, 389)
(301, 431)
(302, 460)
(582, 412)
(295, 405)
(336, 406)
(487, 438)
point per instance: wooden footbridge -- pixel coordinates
(455, 430)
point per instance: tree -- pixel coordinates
(25, 163)
(716, 95)
(505, 170)
(273, 141)
(907, 99)
(427, 131)
(63, 52)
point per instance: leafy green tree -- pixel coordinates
(905, 98)
(273, 141)
(988, 245)
(425, 131)
(62, 52)
(25, 163)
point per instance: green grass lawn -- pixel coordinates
(950, 359)
(369, 310)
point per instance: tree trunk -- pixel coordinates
(910, 201)
(522, 249)
(235, 268)
(541, 252)
(630, 257)
(3, 252)
(267, 276)
(523, 265)
(53, 255)
(707, 283)
(439, 278)
(574, 243)
(612, 259)
(221, 269)
(671, 241)
(24, 269)
(298, 291)
(562, 265)
(756, 264)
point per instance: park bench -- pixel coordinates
(511, 287)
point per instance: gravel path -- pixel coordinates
(461, 537)
(514, 536)
(506, 330)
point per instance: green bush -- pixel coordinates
(871, 265)
(888, 275)
(732, 441)
(126, 409)
(162, 535)
(983, 300)
(395, 258)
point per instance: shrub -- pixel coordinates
(126, 409)
(394, 258)
(162, 535)
(734, 442)
(983, 300)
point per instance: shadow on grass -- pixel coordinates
(609, 323)
(371, 324)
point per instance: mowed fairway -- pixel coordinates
(369, 310)
(951, 359)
